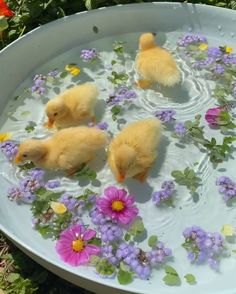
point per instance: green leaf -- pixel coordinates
(94, 260)
(124, 267)
(86, 172)
(115, 111)
(27, 166)
(95, 241)
(234, 251)
(136, 228)
(118, 47)
(64, 74)
(105, 268)
(3, 23)
(127, 237)
(152, 241)
(171, 278)
(113, 62)
(12, 277)
(124, 277)
(176, 174)
(190, 279)
(25, 113)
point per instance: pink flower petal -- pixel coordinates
(89, 234)
(92, 249)
(84, 257)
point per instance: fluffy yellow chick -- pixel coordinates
(133, 151)
(66, 150)
(72, 107)
(155, 64)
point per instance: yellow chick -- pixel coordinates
(72, 107)
(66, 150)
(155, 64)
(133, 151)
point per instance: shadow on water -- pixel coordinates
(142, 191)
(179, 93)
(100, 109)
(160, 157)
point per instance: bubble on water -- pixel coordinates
(222, 34)
(232, 34)
(190, 29)
(219, 27)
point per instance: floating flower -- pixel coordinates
(203, 46)
(58, 208)
(228, 49)
(120, 95)
(188, 39)
(4, 10)
(165, 115)
(214, 52)
(72, 69)
(228, 231)
(227, 187)
(117, 205)
(180, 129)
(9, 149)
(217, 116)
(164, 195)
(73, 246)
(5, 136)
(89, 55)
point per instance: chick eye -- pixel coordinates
(55, 114)
(24, 155)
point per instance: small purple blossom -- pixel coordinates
(219, 69)
(227, 187)
(102, 125)
(52, 184)
(9, 149)
(159, 254)
(229, 59)
(165, 115)
(36, 173)
(53, 73)
(180, 129)
(165, 194)
(204, 62)
(188, 39)
(89, 55)
(120, 95)
(39, 81)
(69, 201)
(111, 232)
(214, 52)
(39, 90)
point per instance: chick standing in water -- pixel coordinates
(72, 107)
(155, 64)
(133, 151)
(66, 150)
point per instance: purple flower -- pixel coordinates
(120, 95)
(164, 194)
(188, 39)
(219, 69)
(102, 125)
(227, 187)
(111, 232)
(158, 254)
(89, 54)
(15, 194)
(36, 173)
(52, 184)
(165, 115)
(39, 90)
(214, 52)
(97, 217)
(229, 59)
(180, 129)
(204, 62)
(213, 116)
(70, 202)
(9, 149)
(53, 73)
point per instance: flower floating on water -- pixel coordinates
(117, 205)
(228, 231)
(89, 55)
(121, 94)
(227, 187)
(203, 46)
(101, 125)
(180, 129)
(4, 9)
(5, 136)
(73, 247)
(203, 246)
(165, 115)
(9, 149)
(39, 81)
(58, 208)
(188, 39)
(218, 117)
(165, 194)
(73, 69)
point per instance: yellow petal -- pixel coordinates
(203, 46)
(75, 71)
(5, 136)
(228, 49)
(58, 208)
(227, 230)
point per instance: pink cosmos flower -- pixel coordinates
(73, 247)
(212, 116)
(117, 205)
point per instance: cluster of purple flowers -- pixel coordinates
(101, 125)
(120, 95)
(180, 129)
(97, 217)
(40, 81)
(227, 187)
(189, 39)
(165, 115)
(165, 194)
(111, 232)
(89, 55)
(25, 192)
(203, 246)
(159, 254)
(9, 149)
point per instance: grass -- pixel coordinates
(18, 273)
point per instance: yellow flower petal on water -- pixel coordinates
(58, 208)
(5, 136)
(228, 49)
(203, 46)
(227, 230)
(72, 69)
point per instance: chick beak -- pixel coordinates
(121, 177)
(49, 123)
(17, 159)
